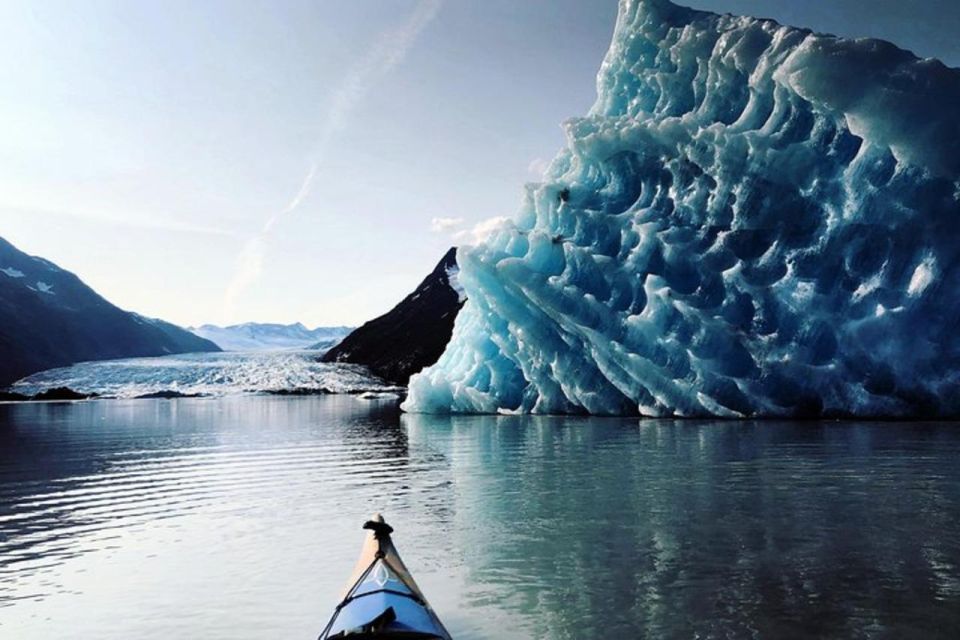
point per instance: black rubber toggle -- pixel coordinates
(380, 530)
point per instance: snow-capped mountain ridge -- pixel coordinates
(258, 336)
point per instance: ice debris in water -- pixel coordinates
(207, 374)
(752, 220)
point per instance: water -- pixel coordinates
(239, 517)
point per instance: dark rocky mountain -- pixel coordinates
(413, 334)
(50, 318)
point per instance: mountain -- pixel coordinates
(751, 220)
(254, 336)
(50, 318)
(413, 334)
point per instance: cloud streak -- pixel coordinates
(483, 230)
(386, 53)
(538, 167)
(445, 225)
(457, 231)
(154, 222)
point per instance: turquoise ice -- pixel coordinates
(752, 220)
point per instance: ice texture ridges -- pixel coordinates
(752, 220)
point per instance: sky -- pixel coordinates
(232, 161)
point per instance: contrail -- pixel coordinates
(388, 51)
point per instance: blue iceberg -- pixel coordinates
(752, 220)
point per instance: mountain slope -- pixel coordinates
(257, 336)
(50, 318)
(413, 334)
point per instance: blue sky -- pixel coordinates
(233, 161)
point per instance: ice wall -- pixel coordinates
(752, 220)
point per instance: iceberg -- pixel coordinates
(752, 220)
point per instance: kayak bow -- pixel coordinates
(382, 600)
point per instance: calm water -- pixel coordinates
(240, 518)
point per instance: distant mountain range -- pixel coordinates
(50, 318)
(254, 336)
(413, 334)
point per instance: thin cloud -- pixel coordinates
(483, 230)
(155, 222)
(538, 167)
(248, 269)
(387, 52)
(445, 225)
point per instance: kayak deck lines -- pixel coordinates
(382, 600)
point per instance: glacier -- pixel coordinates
(752, 220)
(208, 374)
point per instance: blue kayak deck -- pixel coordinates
(384, 601)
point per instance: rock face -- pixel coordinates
(752, 220)
(413, 334)
(50, 318)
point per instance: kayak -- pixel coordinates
(381, 599)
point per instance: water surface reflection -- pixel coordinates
(238, 518)
(707, 529)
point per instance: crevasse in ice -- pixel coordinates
(752, 220)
